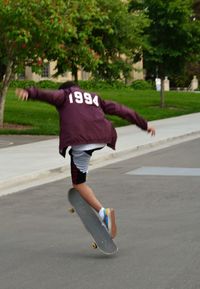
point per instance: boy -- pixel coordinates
(84, 128)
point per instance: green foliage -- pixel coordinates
(76, 48)
(101, 84)
(173, 36)
(30, 83)
(22, 83)
(92, 34)
(30, 31)
(117, 39)
(180, 81)
(104, 30)
(47, 84)
(142, 85)
(84, 84)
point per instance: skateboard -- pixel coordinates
(92, 223)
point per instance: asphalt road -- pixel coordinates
(43, 246)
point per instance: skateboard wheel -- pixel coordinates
(71, 210)
(94, 245)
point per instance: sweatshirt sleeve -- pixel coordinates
(54, 97)
(113, 108)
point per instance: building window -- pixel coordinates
(46, 70)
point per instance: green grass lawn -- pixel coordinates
(42, 118)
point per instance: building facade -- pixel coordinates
(49, 69)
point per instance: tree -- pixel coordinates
(29, 32)
(77, 51)
(117, 38)
(173, 37)
(106, 39)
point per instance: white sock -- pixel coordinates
(101, 213)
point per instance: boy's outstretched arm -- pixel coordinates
(54, 97)
(114, 108)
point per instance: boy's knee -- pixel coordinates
(78, 186)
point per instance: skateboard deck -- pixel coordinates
(92, 223)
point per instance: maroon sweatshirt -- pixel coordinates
(82, 116)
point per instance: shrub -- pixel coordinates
(84, 84)
(141, 85)
(22, 83)
(48, 84)
(30, 83)
(100, 84)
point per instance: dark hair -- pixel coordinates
(67, 84)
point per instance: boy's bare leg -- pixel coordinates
(87, 193)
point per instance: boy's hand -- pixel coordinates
(21, 93)
(151, 130)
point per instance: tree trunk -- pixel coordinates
(76, 76)
(162, 97)
(2, 71)
(4, 89)
(75, 73)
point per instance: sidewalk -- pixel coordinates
(32, 164)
